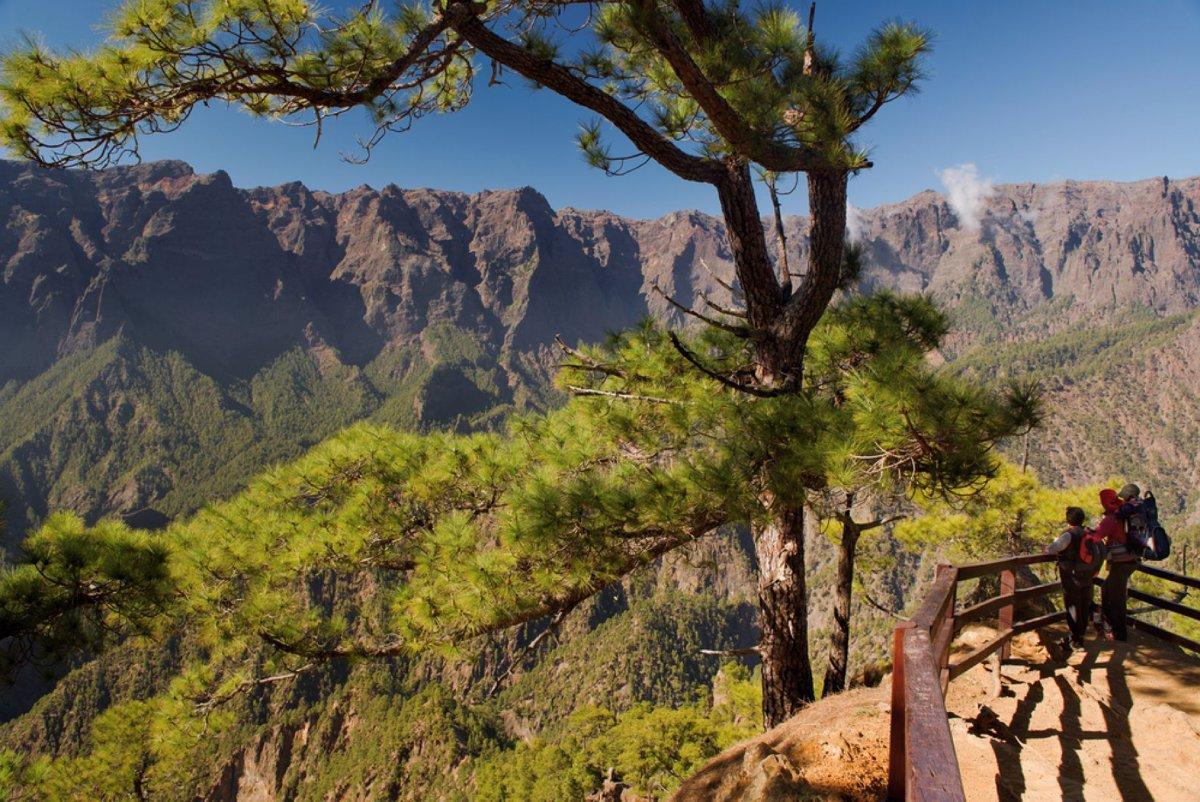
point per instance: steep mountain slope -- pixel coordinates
(167, 335)
(273, 316)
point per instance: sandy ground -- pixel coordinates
(1113, 722)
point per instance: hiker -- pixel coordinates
(1080, 554)
(1119, 507)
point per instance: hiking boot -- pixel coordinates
(1076, 643)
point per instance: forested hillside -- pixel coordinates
(165, 330)
(168, 336)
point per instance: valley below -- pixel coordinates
(168, 337)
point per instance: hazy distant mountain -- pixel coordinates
(166, 334)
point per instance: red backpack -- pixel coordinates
(1092, 550)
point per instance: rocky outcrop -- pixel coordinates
(234, 277)
(436, 308)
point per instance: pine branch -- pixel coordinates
(880, 607)
(557, 77)
(586, 362)
(741, 331)
(711, 304)
(784, 269)
(760, 148)
(741, 388)
(716, 278)
(551, 629)
(697, 19)
(587, 391)
(733, 652)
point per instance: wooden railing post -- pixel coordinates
(1008, 586)
(944, 633)
(897, 759)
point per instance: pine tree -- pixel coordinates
(1012, 514)
(707, 90)
(839, 511)
(75, 588)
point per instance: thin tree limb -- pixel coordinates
(741, 388)
(557, 77)
(741, 331)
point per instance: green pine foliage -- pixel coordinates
(78, 588)
(796, 106)
(652, 748)
(1013, 513)
(384, 545)
(467, 534)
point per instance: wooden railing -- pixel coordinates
(1168, 605)
(921, 761)
(922, 764)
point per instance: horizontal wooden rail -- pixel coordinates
(1165, 604)
(976, 570)
(932, 770)
(921, 763)
(1164, 634)
(977, 656)
(990, 607)
(1162, 573)
(940, 599)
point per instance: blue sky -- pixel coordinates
(1027, 91)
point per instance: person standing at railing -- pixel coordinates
(1114, 596)
(1076, 573)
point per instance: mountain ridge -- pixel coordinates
(439, 308)
(355, 270)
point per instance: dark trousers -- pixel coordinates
(1077, 598)
(1115, 595)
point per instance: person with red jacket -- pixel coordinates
(1118, 509)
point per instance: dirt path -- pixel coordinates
(1113, 722)
(1119, 722)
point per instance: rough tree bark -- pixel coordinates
(843, 592)
(839, 639)
(788, 319)
(787, 677)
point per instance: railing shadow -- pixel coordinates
(1070, 766)
(1126, 770)
(1010, 777)
(921, 754)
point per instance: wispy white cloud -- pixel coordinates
(966, 192)
(855, 224)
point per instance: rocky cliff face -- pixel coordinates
(232, 278)
(274, 306)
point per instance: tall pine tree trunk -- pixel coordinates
(839, 639)
(786, 321)
(783, 615)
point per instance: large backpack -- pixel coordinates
(1147, 538)
(1092, 551)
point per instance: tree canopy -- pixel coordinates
(1012, 514)
(687, 82)
(77, 588)
(452, 536)
(712, 92)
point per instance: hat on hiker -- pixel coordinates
(1129, 491)
(1109, 500)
